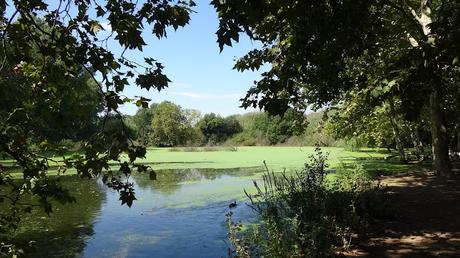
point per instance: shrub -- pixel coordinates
(70, 145)
(244, 139)
(354, 180)
(303, 215)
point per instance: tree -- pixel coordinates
(265, 129)
(113, 124)
(372, 120)
(193, 134)
(312, 45)
(216, 129)
(192, 116)
(66, 42)
(277, 129)
(43, 45)
(143, 123)
(76, 117)
(168, 125)
(231, 126)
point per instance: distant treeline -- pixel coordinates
(168, 125)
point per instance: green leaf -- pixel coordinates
(392, 83)
(125, 169)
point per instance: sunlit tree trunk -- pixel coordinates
(440, 143)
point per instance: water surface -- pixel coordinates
(182, 214)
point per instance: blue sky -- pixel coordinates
(202, 78)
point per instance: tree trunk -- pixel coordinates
(458, 140)
(418, 145)
(402, 154)
(396, 133)
(439, 136)
(440, 141)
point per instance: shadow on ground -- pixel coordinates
(425, 221)
(378, 166)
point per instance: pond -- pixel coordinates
(182, 214)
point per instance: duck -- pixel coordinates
(232, 205)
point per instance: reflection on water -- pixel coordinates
(182, 214)
(64, 233)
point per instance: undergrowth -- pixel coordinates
(305, 215)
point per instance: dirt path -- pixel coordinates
(425, 222)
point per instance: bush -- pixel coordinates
(303, 215)
(244, 139)
(354, 180)
(70, 145)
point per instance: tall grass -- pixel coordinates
(304, 215)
